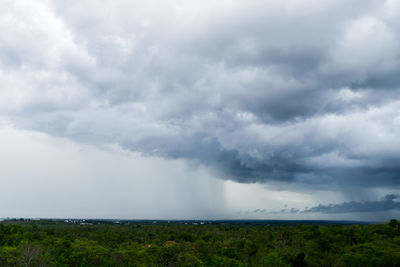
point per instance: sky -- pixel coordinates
(200, 109)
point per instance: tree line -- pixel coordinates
(50, 243)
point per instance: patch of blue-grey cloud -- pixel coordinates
(388, 203)
(299, 92)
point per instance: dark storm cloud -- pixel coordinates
(301, 91)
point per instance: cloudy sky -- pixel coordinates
(200, 109)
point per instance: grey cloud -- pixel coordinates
(389, 202)
(301, 92)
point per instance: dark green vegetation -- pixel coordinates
(52, 243)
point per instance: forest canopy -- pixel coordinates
(58, 243)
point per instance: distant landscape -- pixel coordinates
(240, 133)
(79, 242)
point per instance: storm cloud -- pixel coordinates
(302, 92)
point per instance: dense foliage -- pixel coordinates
(50, 243)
